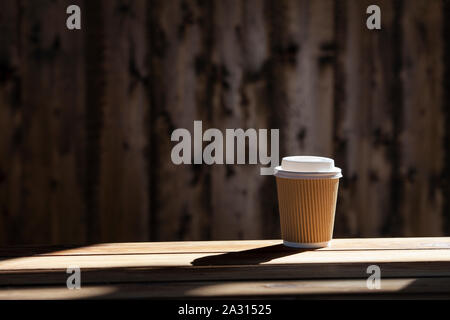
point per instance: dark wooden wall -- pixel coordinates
(86, 116)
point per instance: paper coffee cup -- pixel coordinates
(307, 190)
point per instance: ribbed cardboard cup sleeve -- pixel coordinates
(307, 208)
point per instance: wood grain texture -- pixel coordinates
(43, 142)
(239, 103)
(421, 151)
(224, 246)
(446, 119)
(123, 184)
(365, 123)
(94, 275)
(205, 259)
(299, 289)
(10, 119)
(86, 116)
(229, 269)
(94, 100)
(180, 46)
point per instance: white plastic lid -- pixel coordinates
(307, 167)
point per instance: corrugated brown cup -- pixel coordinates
(307, 206)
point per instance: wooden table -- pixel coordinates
(410, 268)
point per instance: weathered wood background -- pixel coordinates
(86, 116)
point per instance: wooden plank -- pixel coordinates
(46, 141)
(226, 273)
(302, 55)
(10, 120)
(255, 258)
(243, 201)
(231, 260)
(93, 20)
(236, 211)
(422, 127)
(226, 246)
(367, 79)
(66, 76)
(341, 224)
(123, 179)
(230, 183)
(180, 45)
(313, 87)
(234, 289)
(445, 175)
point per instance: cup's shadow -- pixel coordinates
(246, 257)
